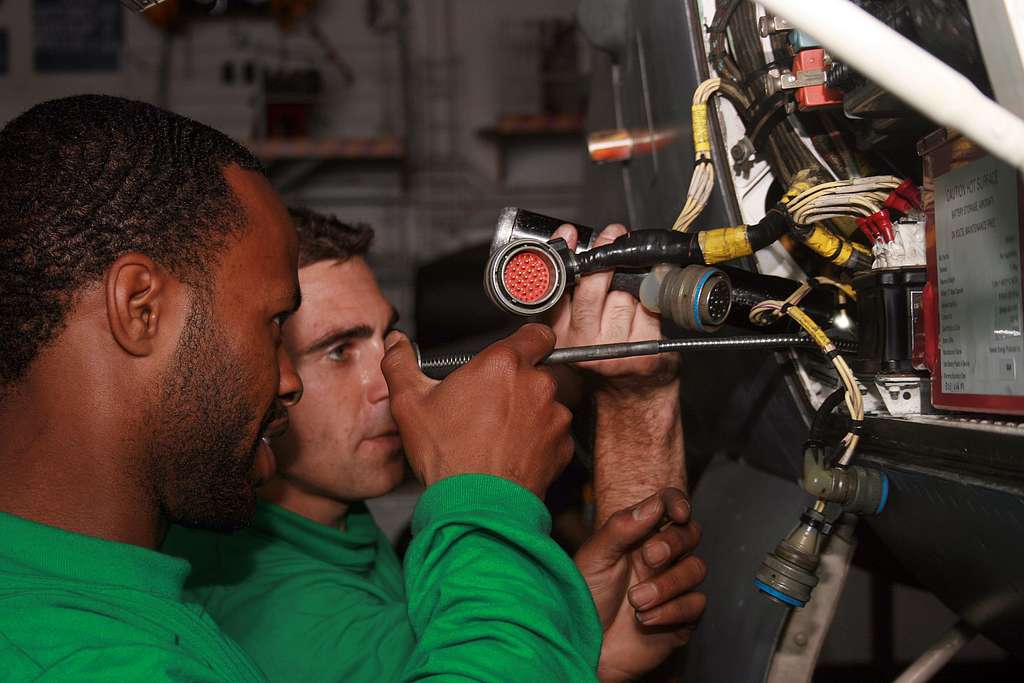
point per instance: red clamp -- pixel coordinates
(877, 227)
(904, 198)
(814, 96)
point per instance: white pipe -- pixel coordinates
(936, 657)
(908, 72)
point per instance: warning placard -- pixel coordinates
(978, 261)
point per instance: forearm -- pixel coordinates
(638, 446)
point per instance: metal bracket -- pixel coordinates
(902, 394)
(787, 80)
(768, 25)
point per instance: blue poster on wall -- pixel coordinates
(77, 35)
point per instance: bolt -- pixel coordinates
(800, 639)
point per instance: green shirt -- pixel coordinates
(77, 608)
(312, 603)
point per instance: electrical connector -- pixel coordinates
(819, 95)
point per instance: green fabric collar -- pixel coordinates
(355, 548)
(44, 550)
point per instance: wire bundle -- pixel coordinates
(857, 197)
(703, 179)
(767, 312)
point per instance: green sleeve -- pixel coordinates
(491, 596)
(312, 628)
(152, 664)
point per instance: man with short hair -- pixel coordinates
(146, 269)
(314, 572)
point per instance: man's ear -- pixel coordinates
(136, 289)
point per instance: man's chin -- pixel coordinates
(229, 517)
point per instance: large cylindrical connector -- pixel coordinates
(696, 298)
(519, 224)
(526, 277)
(788, 573)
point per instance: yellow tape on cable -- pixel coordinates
(701, 136)
(724, 244)
(825, 243)
(817, 334)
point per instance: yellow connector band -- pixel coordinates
(724, 244)
(824, 242)
(701, 137)
(817, 334)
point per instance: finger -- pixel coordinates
(681, 612)
(617, 316)
(567, 231)
(671, 543)
(401, 370)
(531, 342)
(620, 534)
(589, 295)
(645, 325)
(677, 580)
(560, 315)
(677, 505)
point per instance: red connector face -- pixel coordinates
(814, 96)
(527, 277)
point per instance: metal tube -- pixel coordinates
(442, 364)
(936, 657)
(908, 72)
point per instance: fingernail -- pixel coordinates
(642, 595)
(681, 508)
(392, 339)
(656, 553)
(647, 510)
(643, 617)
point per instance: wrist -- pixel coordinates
(645, 407)
(634, 389)
(610, 674)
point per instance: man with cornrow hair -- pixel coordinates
(146, 271)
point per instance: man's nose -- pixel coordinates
(289, 388)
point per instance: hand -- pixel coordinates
(594, 315)
(642, 625)
(496, 415)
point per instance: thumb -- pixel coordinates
(401, 369)
(532, 342)
(621, 534)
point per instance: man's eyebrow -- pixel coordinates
(337, 336)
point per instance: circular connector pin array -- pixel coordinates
(525, 277)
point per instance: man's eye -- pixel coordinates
(280, 318)
(338, 352)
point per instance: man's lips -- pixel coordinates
(277, 427)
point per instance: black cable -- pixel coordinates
(770, 228)
(642, 249)
(821, 416)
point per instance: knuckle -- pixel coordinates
(547, 385)
(539, 330)
(501, 359)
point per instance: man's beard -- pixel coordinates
(202, 441)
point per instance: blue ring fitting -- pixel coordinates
(696, 297)
(765, 588)
(885, 493)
